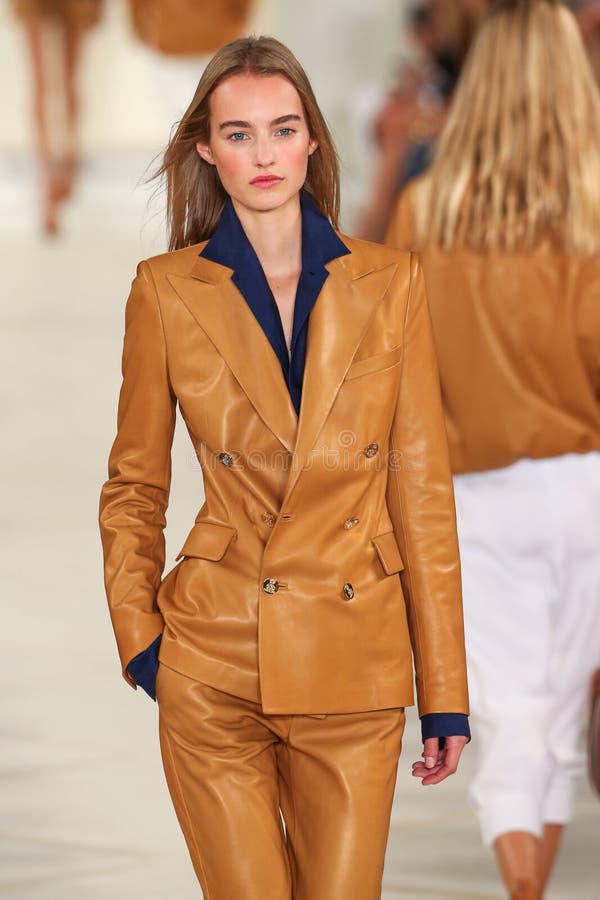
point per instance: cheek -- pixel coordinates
(297, 157)
(230, 164)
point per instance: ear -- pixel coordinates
(312, 146)
(205, 152)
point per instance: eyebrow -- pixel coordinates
(238, 123)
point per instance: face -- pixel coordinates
(259, 140)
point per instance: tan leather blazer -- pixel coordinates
(326, 545)
(518, 346)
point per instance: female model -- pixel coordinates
(56, 142)
(302, 363)
(509, 224)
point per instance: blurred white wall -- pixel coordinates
(131, 96)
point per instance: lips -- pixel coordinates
(266, 181)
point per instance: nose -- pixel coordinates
(264, 151)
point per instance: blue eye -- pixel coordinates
(237, 136)
(286, 131)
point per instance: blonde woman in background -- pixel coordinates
(58, 25)
(508, 225)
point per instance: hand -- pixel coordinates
(438, 764)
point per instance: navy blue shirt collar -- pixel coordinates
(229, 246)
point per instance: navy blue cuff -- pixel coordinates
(143, 668)
(444, 725)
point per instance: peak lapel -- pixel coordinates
(221, 311)
(337, 324)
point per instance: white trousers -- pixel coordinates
(530, 547)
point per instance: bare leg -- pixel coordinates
(36, 31)
(517, 855)
(549, 846)
(71, 53)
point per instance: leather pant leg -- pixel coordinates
(220, 764)
(337, 786)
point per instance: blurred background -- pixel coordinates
(84, 809)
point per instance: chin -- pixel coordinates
(269, 200)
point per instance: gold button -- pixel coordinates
(226, 459)
(270, 585)
(348, 591)
(269, 519)
(371, 449)
(350, 523)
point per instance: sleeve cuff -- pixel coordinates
(143, 668)
(444, 725)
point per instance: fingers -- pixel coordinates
(432, 754)
(446, 762)
(431, 751)
(454, 747)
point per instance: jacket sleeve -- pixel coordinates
(420, 499)
(443, 725)
(134, 500)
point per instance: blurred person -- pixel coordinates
(508, 227)
(455, 25)
(408, 124)
(56, 25)
(279, 646)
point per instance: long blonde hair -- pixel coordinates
(195, 196)
(519, 156)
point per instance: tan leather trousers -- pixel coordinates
(230, 769)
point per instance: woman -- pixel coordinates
(68, 21)
(508, 222)
(300, 359)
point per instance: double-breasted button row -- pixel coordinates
(272, 585)
(271, 520)
(370, 450)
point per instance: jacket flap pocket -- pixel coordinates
(388, 553)
(207, 540)
(378, 363)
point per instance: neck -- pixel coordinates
(275, 235)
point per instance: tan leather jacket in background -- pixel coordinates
(189, 27)
(518, 346)
(322, 542)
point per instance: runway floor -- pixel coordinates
(84, 807)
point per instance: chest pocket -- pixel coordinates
(207, 540)
(378, 363)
